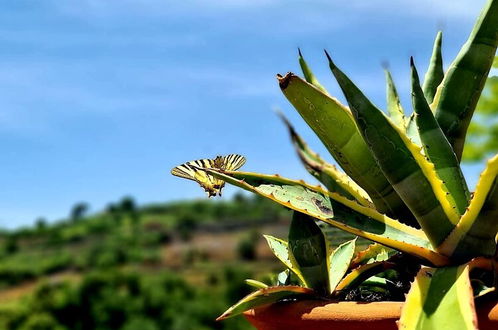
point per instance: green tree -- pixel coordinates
(185, 226)
(239, 198)
(114, 213)
(11, 244)
(129, 207)
(79, 211)
(246, 248)
(482, 137)
(41, 224)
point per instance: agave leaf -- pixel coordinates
(335, 210)
(412, 176)
(440, 299)
(476, 232)
(284, 277)
(256, 284)
(335, 126)
(374, 252)
(308, 74)
(339, 261)
(281, 250)
(466, 76)
(264, 297)
(435, 72)
(480, 289)
(333, 179)
(307, 246)
(362, 273)
(375, 281)
(394, 108)
(412, 130)
(437, 147)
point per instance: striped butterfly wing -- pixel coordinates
(184, 171)
(233, 162)
(192, 171)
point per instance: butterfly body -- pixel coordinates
(193, 171)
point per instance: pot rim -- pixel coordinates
(327, 310)
(318, 311)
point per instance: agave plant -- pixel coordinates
(314, 270)
(402, 186)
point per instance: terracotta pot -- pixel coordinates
(319, 315)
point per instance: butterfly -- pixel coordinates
(192, 171)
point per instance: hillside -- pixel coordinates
(128, 267)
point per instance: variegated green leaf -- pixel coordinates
(476, 232)
(335, 126)
(264, 297)
(412, 176)
(336, 210)
(339, 261)
(363, 272)
(309, 250)
(437, 147)
(435, 72)
(412, 130)
(480, 289)
(284, 277)
(256, 284)
(440, 299)
(375, 281)
(308, 74)
(333, 179)
(374, 252)
(466, 76)
(394, 108)
(280, 248)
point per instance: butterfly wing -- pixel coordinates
(184, 171)
(230, 162)
(233, 162)
(193, 171)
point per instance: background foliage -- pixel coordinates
(482, 138)
(164, 266)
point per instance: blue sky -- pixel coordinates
(101, 98)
